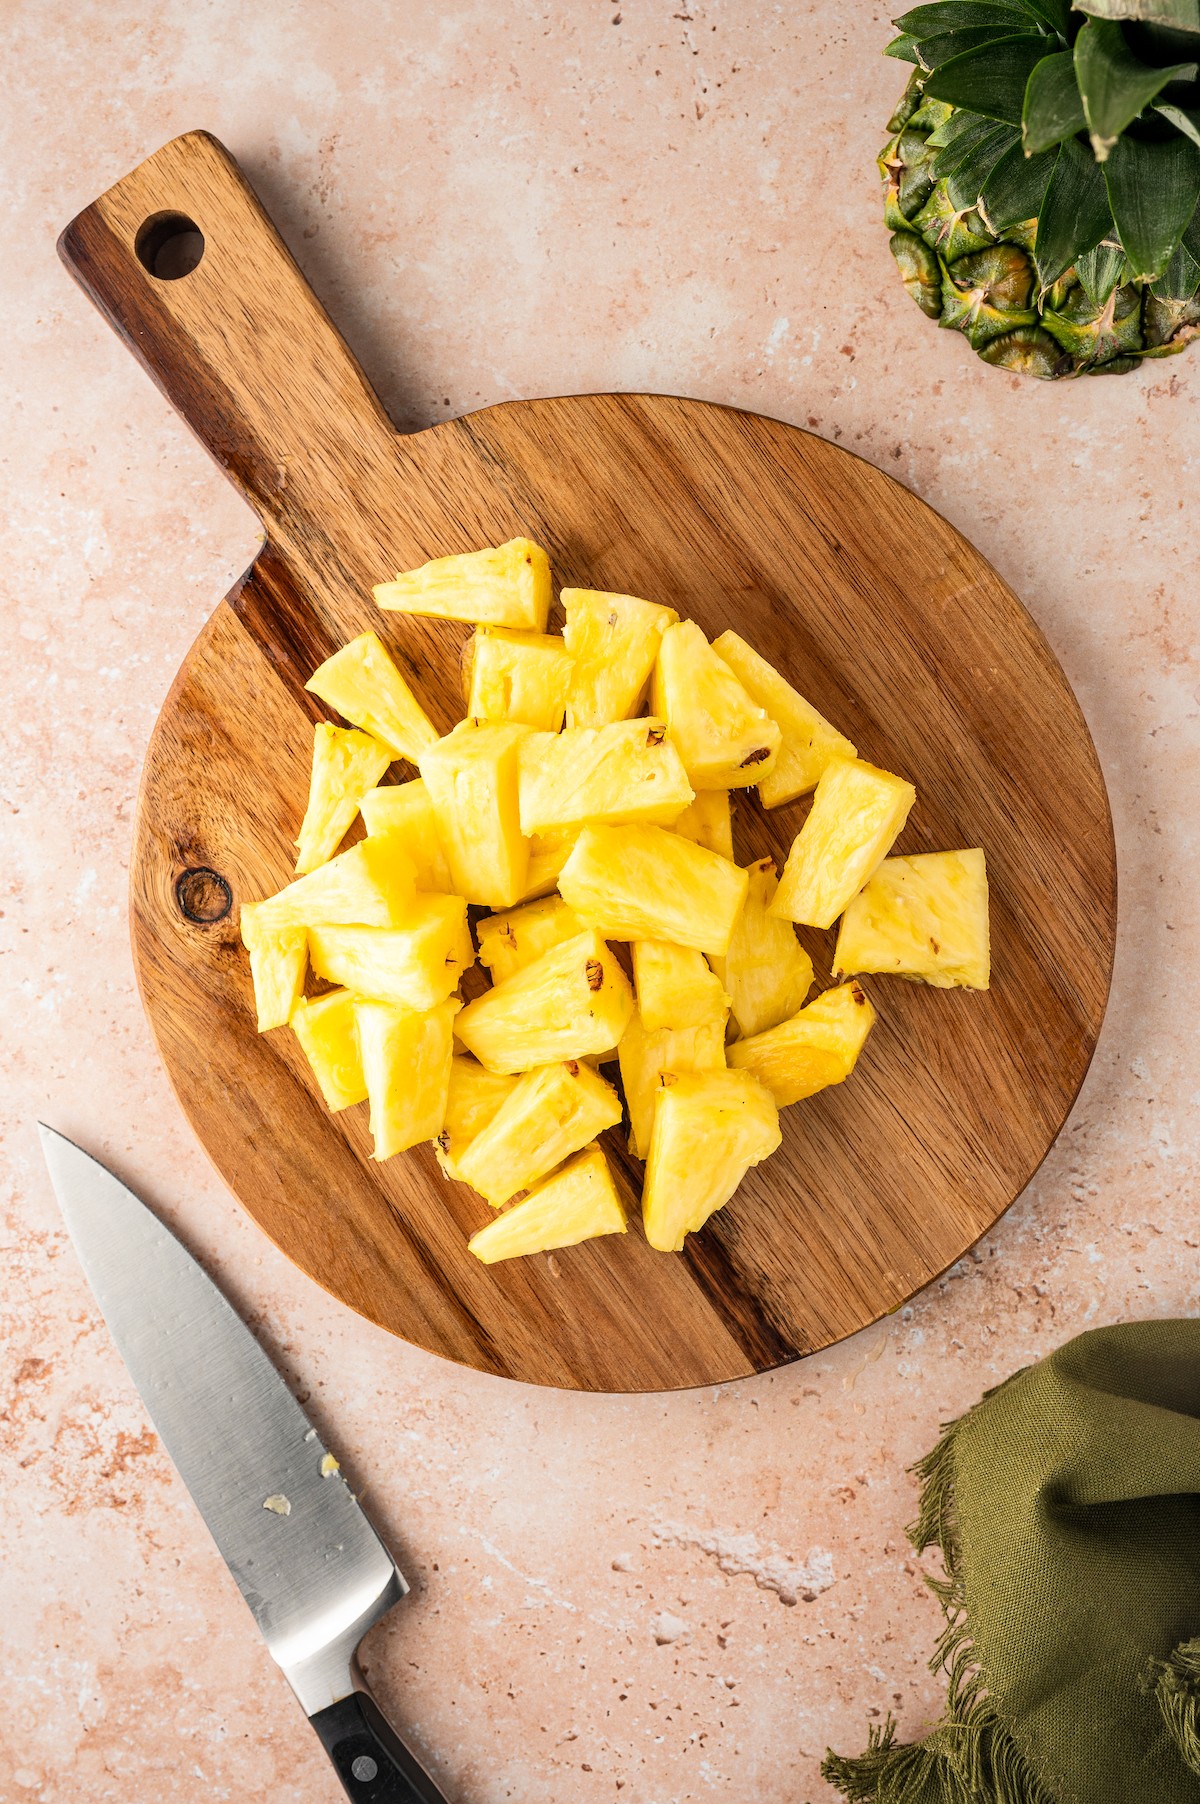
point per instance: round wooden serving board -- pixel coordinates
(863, 597)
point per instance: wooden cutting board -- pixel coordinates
(869, 603)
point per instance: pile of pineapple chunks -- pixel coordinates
(576, 820)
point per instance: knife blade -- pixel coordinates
(310, 1566)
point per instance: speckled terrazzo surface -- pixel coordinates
(652, 1599)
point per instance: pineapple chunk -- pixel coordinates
(471, 776)
(572, 1001)
(405, 808)
(371, 884)
(548, 852)
(809, 742)
(473, 1098)
(816, 1048)
(325, 1029)
(675, 987)
(856, 816)
(709, 821)
(924, 917)
(644, 883)
(646, 1056)
(725, 739)
(614, 641)
(406, 1062)
(549, 1113)
(580, 1202)
(363, 684)
(508, 942)
(766, 971)
(503, 585)
(627, 771)
(278, 963)
(415, 966)
(345, 764)
(710, 1127)
(518, 676)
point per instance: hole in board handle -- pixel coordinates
(169, 245)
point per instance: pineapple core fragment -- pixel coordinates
(503, 585)
(709, 821)
(372, 884)
(325, 1029)
(614, 641)
(573, 1001)
(405, 808)
(725, 739)
(345, 764)
(675, 987)
(550, 1113)
(473, 1098)
(510, 941)
(518, 676)
(471, 776)
(415, 966)
(646, 1056)
(710, 1127)
(645, 883)
(856, 816)
(363, 684)
(816, 1048)
(406, 1057)
(809, 742)
(627, 771)
(278, 962)
(580, 1202)
(924, 917)
(766, 971)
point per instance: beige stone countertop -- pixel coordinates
(653, 1599)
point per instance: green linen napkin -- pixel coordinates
(1066, 1506)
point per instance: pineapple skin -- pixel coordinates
(345, 764)
(406, 1057)
(809, 742)
(328, 1034)
(709, 821)
(625, 772)
(372, 885)
(405, 808)
(858, 812)
(572, 1002)
(766, 971)
(675, 988)
(646, 883)
(924, 917)
(511, 940)
(614, 641)
(726, 741)
(415, 966)
(816, 1048)
(502, 585)
(644, 1059)
(278, 966)
(550, 1113)
(576, 1203)
(362, 682)
(472, 1098)
(518, 676)
(471, 776)
(710, 1127)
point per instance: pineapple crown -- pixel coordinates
(1087, 119)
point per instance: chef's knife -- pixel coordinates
(312, 1569)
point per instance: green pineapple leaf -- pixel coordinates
(1191, 235)
(1113, 84)
(1053, 106)
(1152, 189)
(1013, 192)
(1180, 279)
(1075, 213)
(904, 48)
(991, 80)
(967, 180)
(1100, 271)
(949, 15)
(968, 140)
(935, 51)
(960, 121)
(1183, 15)
(1055, 13)
(1180, 118)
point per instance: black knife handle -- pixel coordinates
(371, 1761)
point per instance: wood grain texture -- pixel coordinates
(871, 605)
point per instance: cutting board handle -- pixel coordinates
(236, 340)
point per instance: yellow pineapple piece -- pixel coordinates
(326, 1030)
(614, 641)
(278, 963)
(725, 739)
(471, 776)
(766, 971)
(405, 808)
(472, 1099)
(550, 1113)
(345, 764)
(675, 987)
(372, 885)
(923, 917)
(816, 1048)
(626, 771)
(578, 1202)
(415, 966)
(646, 1056)
(809, 742)
(645, 883)
(406, 1063)
(362, 682)
(503, 585)
(518, 676)
(709, 821)
(572, 1001)
(510, 941)
(856, 816)
(547, 856)
(710, 1127)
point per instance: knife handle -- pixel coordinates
(371, 1761)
